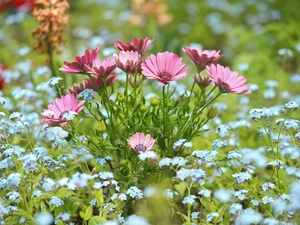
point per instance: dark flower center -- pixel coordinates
(164, 77)
(225, 87)
(140, 148)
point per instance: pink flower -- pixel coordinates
(165, 67)
(88, 58)
(141, 143)
(228, 81)
(62, 110)
(202, 58)
(128, 61)
(101, 68)
(139, 45)
(99, 82)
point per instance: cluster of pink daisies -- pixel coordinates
(164, 67)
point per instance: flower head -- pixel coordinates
(99, 82)
(79, 66)
(165, 67)
(202, 58)
(62, 110)
(52, 20)
(141, 143)
(128, 61)
(139, 45)
(101, 68)
(77, 88)
(228, 81)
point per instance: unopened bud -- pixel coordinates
(143, 108)
(154, 101)
(120, 97)
(202, 81)
(212, 112)
(101, 127)
(135, 80)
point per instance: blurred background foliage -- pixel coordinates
(258, 38)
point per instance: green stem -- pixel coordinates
(279, 133)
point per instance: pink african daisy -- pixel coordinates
(202, 58)
(228, 81)
(62, 110)
(139, 45)
(101, 68)
(128, 61)
(88, 59)
(99, 82)
(141, 143)
(165, 67)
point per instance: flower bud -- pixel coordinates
(212, 112)
(101, 127)
(143, 108)
(154, 101)
(202, 81)
(120, 97)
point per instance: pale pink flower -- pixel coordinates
(139, 45)
(165, 67)
(99, 82)
(128, 61)
(202, 58)
(141, 143)
(88, 58)
(101, 68)
(61, 107)
(228, 81)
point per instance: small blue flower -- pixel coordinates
(291, 105)
(48, 185)
(211, 216)
(57, 202)
(257, 114)
(93, 202)
(54, 81)
(189, 199)
(88, 95)
(36, 193)
(205, 193)
(13, 180)
(165, 162)
(195, 215)
(134, 192)
(241, 177)
(235, 208)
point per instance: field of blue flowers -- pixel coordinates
(149, 112)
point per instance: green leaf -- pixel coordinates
(64, 192)
(95, 220)
(183, 215)
(59, 222)
(99, 196)
(22, 212)
(88, 212)
(180, 188)
(81, 214)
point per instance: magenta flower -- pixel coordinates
(141, 143)
(99, 82)
(139, 45)
(165, 67)
(88, 59)
(62, 110)
(202, 58)
(101, 68)
(227, 81)
(128, 61)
